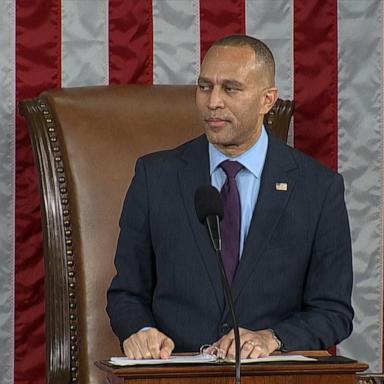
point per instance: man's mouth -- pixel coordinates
(216, 122)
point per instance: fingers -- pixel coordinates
(224, 344)
(253, 344)
(131, 349)
(166, 348)
(254, 349)
(148, 344)
(248, 348)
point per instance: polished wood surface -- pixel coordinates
(327, 370)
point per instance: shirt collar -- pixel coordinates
(253, 159)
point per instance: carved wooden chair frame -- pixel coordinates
(61, 278)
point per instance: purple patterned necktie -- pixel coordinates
(230, 225)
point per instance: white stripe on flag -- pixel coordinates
(7, 187)
(360, 161)
(84, 43)
(176, 36)
(272, 22)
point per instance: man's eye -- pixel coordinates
(230, 89)
(204, 87)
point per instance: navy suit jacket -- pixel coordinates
(295, 274)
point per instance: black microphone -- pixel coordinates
(209, 210)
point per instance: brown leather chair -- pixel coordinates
(86, 141)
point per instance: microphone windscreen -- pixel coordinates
(208, 202)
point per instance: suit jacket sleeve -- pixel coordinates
(326, 314)
(129, 297)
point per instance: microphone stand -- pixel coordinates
(228, 295)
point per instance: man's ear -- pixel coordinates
(269, 98)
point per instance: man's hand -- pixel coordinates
(253, 344)
(148, 344)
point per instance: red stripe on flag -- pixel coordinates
(130, 42)
(219, 19)
(38, 58)
(315, 66)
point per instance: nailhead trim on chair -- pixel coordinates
(69, 253)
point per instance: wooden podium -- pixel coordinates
(326, 370)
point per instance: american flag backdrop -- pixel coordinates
(330, 61)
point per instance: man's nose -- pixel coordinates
(215, 99)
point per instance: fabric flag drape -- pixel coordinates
(329, 59)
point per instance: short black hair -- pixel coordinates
(262, 51)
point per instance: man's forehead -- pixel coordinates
(225, 52)
(229, 58)
(222, 80)
(227, 63)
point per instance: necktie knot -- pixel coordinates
(231, 168)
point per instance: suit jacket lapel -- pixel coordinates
(192, 174)
(279, 167)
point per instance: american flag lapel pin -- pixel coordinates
(281, 187)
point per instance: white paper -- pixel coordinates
(204, 358)
(277, 358)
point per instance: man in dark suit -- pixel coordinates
(293, 275)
